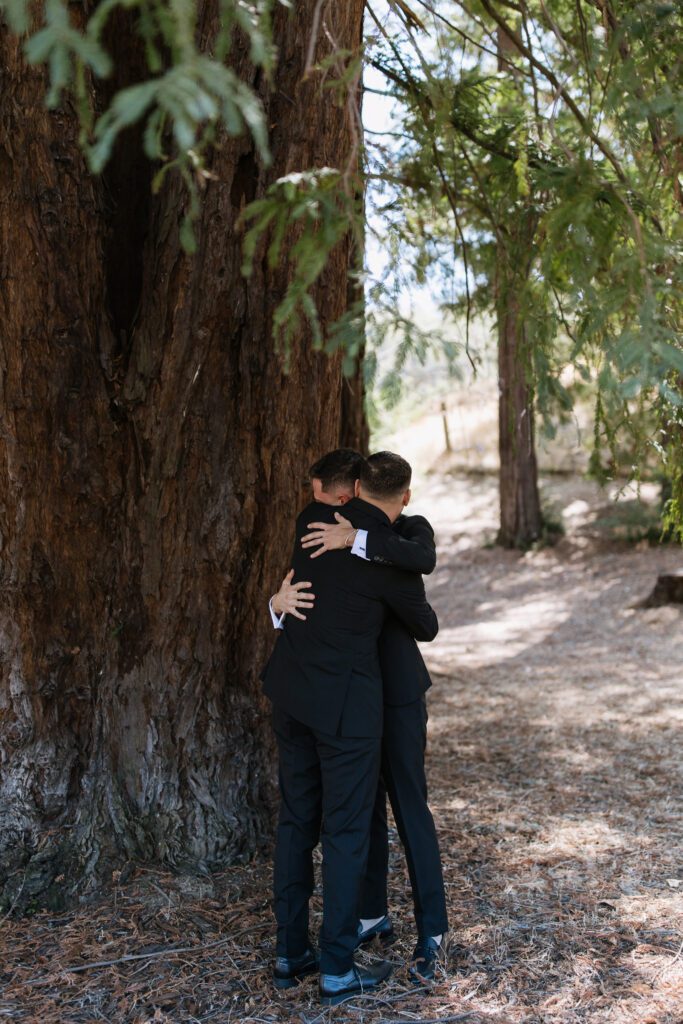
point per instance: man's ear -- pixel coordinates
(356, 488)
(406, 497)
(343, 498)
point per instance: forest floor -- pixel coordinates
(556, 774)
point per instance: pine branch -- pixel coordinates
(551, 77)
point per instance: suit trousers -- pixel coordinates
(328, 780)
(403, 778)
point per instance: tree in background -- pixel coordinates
(153, 448)
(536, 177)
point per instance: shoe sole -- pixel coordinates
(284, 983)
(336, 1000)
(343, 996)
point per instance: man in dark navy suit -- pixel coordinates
(325, 683)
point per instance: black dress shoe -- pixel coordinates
(335, 988)
(289, 970)
(424, 960)
(384, 930)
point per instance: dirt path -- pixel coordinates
(555, 763)
(556, 760)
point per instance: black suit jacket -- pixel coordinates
(408, 544)
(325, 671)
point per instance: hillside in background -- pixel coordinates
(420, 410)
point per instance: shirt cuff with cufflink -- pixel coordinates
(278, 620)
(360, 544)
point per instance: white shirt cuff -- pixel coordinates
(360, 544)
(278, 621)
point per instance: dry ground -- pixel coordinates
(555, 763)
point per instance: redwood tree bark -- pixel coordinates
(520, 508)
(355, 431)
(151, 458)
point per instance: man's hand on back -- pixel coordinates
(292, 596)
(329, 536)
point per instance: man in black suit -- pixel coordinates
(325, 683)
(409, 544)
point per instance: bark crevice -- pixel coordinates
(126, 188)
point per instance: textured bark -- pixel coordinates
(520, 509)
(355, 432)
(667, 590)
(150, 461)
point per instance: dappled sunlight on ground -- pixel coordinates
(555, 762)
(502, 632)
(557, 765)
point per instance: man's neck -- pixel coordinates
(391, 509)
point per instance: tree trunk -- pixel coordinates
(355, 431)
(667, 590)
(520, 510)
(151, 459)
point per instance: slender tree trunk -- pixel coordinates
(520, 510)
(151, 458)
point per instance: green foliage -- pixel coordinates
(547, 171)
(64, 49)
(16, 12)
(303, 217)
(574, 128)
(631, 521)
(347, 335)
(188, 96)
(671, 449)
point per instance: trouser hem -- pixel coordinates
(331, 965)
(425, 931)
(291, 949)
(376, 910)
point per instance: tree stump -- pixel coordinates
(667, 590)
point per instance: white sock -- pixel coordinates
(369, 922)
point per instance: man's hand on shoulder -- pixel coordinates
(292, 596)
(329, 536)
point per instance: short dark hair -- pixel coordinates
(385, 475)
(339, 467)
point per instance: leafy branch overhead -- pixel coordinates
(303, 216)
(563, 118)
(567, 117)
(188, 95)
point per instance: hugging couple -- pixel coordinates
(347, 683)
